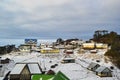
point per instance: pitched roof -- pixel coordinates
(101, 69)
(18, 68)
(92, 65)
(60, 76)
(34, 68)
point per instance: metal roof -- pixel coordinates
(18, 68)
(101, 69)
(92, 65)
(34, 69)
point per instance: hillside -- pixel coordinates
(113, 39)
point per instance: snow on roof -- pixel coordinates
(72, 71)
(47, 49)
(92, 65)
(18, 68)
(88, 44)
(34, 69)
(102, 68)
(69, 50)
(68, 59)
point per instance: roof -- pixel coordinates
(60, 76)
(86, 44)
(68, 59)
(34, 69)
(69, 50)
(47, 48)
(92, 65)
(18, 68)
(102, 68)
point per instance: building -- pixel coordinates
(20, 72)
(34, 68)
(25, 48)
(28, 45)
(94, 46)
(101, 46)
(68, 60)
(94, 51)
(49, 50)
(103, 71)
(69, 51)
(42, 46)
(93, 66)
(88, 45)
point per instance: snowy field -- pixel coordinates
(74, 71)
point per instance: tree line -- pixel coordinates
(113, 40)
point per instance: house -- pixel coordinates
(49, 50)
(93, 66)
(103, 71)
(20, 72)
(25, 47)
(34, 68)
(28, 45)
(69, 51)
(60, 76)
(42, 46)
(101, 46)
(94, 51)
(88, 45)
(68, 60)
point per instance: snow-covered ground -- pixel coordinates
(75, 71)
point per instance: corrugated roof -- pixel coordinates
(101, 69)
(34, 69)
(92, 65)
(18, 68)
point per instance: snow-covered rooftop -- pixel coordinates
(101, 68)
(18, 68)
(34, 69)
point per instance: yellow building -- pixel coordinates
(101, 46)
(49, 50)
(94, 46)
(88, 45)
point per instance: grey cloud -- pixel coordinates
(65, 18)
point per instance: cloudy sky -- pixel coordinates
(48, 19)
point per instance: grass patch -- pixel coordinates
(42, 77)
